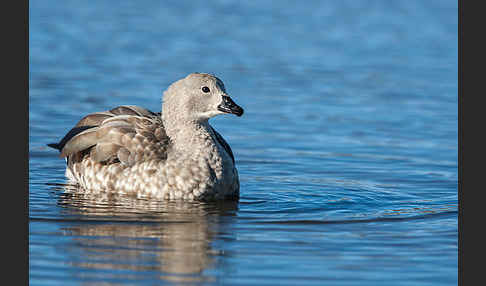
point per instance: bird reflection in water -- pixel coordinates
(143, 238)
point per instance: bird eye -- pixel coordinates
(205, 89)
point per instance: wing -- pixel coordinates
(125, 134)
(223, 143)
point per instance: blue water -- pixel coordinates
(347, 151)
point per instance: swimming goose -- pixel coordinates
(171, 155)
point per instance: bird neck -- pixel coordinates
(190, 135)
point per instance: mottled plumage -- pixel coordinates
(172, 155)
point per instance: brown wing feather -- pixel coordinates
(94, 119)
(104, 151)
(80, 142)
(125, 134)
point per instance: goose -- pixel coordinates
(174, 154)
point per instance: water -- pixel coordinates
(347, 151)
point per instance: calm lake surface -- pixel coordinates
(347, 151)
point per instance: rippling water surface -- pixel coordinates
(347, 151)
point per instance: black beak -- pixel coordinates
(229, 106)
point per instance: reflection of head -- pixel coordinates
(172, 239)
